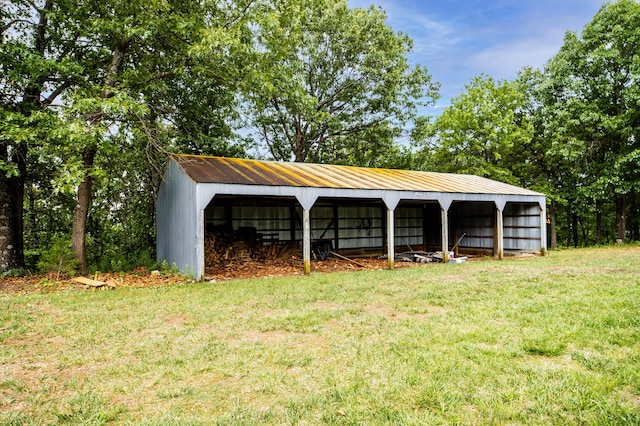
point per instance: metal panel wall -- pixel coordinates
(522, 226)
(360, 227)
(323, 227)
(357, 226)
(178, 221)
(409, 228)
(477, 221)
(272, 222)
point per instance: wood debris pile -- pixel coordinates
(223, 247)
(44, 283)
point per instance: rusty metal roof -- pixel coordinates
(203, 169)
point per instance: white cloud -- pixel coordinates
(429, 35)
(506, 59)
(458, 40)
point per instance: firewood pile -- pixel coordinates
(278, 251)
(222, 247)
(218, 248)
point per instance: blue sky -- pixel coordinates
(457, 40)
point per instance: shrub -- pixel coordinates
(58, 257)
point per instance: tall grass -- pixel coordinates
(553, 340)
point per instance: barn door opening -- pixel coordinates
(243, 228)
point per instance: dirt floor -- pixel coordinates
(142, 277)
(278, 268)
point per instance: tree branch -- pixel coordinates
(13, 22)
(57, 92)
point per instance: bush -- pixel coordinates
(58, 257)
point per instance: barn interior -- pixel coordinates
(271, 228)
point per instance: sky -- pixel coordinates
(457, 40)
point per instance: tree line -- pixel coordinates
(95, 95)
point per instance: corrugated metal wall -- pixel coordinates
(522, 226)
(409, 228)
(178, 221)
(357, 226)
(360, 227)
(273, 222)
(474, 219)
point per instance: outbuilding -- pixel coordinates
(350, 209)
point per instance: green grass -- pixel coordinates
(553, 340)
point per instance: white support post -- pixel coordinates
(306, 241)
(499, 234)
(391, 249)
(445, 234)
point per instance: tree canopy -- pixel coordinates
(479, 131)
(331, 83)
(592, 102)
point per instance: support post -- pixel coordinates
(445, 234)
(499, 234)
(391, 252)
(306, 241)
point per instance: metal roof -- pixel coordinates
(203, 169)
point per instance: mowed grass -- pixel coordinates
(553, 340)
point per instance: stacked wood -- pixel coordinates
(282, 251)
(276, 251)
(222, 248)
(218, 248)
(240, 251)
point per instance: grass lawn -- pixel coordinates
(553, 340)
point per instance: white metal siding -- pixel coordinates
(522, 226)
(177, 217)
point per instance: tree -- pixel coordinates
(141, 49)
(84, 81)
(41, 57)
(594, 109)
(478, 132)
(331, 83)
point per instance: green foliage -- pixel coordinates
(478, 132)
(13, 273)
(331, 83)
(58, 257)
(318, 81)
(591, 102)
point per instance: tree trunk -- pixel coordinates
(12, 189)
(621, 217)
(554, 230)
(12, 210)
(635, 217)
(574, 228)
(80, 213)
(598, 222)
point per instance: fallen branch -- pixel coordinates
(347, 259)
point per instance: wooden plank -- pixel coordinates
(89, 282)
